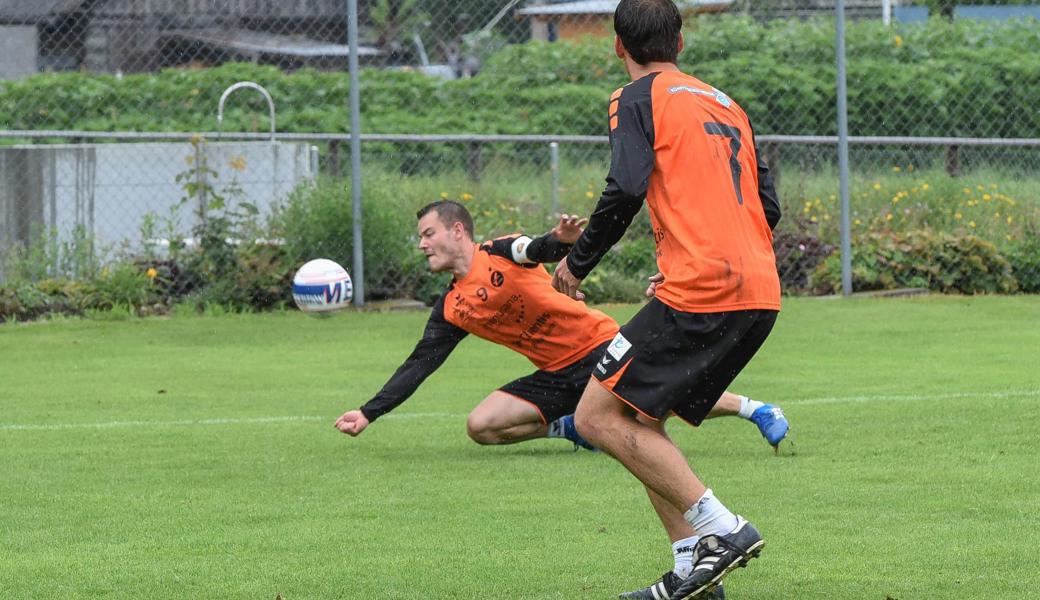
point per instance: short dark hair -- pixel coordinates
(449, 212)
(649, 29)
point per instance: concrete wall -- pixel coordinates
(19, 51)
(108, 189)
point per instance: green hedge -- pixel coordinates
(942, 262)
(942, 78)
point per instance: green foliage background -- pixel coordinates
(963, 78)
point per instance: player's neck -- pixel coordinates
(638, 71)
(462, 264)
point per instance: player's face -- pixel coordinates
(439, 243)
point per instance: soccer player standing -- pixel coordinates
(689, 151)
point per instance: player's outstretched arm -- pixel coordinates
(547, 248)
(352, 423)
(439, 338)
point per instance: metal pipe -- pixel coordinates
(843, 155)
(238, 86)
(486, 139)
(554, 165)
(358, 275)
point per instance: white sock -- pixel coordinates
(749, 406)
(556, 428)
(710, 517)
(683, 553)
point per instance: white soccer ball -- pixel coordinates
(322, 285)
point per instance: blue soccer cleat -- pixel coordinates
(570, 432)
(772, 423)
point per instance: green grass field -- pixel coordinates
(195, 458)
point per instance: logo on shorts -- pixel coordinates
(618, 346)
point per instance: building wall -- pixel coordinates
(19, 51)
(572, 27)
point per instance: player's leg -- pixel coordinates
(611, 425)
(769, 418)
(503, 418)
(683, 540)
(639, 373)
(537, 405)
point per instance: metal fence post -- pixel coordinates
(554, 162)
(358, 275)
(843, 156)
(474, 161)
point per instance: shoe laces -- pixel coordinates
(714, 545)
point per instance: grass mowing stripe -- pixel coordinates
(229, 421)
(450, 415)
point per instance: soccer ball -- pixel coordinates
(321, 285)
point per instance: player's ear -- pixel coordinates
(619, 48)
(682, 43)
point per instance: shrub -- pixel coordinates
(941, 262)
(798, 254)
(899, 74)
(1025, 262)
(317, 222)
(125, 284)
(622, 274)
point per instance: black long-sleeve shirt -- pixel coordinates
(440, 336)
(633, 160)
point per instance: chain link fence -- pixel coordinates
(111, 151)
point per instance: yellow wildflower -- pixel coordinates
(971, 224)
(1010, 220)
(877, 186)
(888, 217)
(466, 197)
(898, 41)
(957, 215)
(444, 195)
(897, 170)
(151, 273)
(924, 186)
(589, 194)
(987, 197)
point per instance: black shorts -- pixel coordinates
(556, 393)
(667, 360)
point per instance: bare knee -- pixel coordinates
(481, 430)
(591, 424)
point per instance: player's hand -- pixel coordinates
(565, 282)
(352, 423)
(655, 280)
(569, 229)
